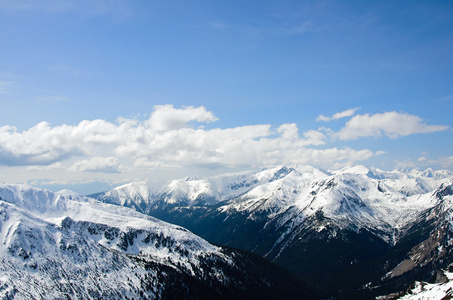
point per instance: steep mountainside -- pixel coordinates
(63, 245)
(343, 230)
(426, 245)
(443, 289)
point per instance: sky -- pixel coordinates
(95, 94)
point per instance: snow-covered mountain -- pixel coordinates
(358, 195)
(64, 245)
(328, 227)
(194, 191)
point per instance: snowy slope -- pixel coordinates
(387, 197)
(56, 207)
(64, 245)
(431, 291)
(286, 196)
(407, 182)
(194, 191)
(435, 226)
(319, 224)
(358, 195)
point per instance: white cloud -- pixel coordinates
(340, 115)
(97, 164)
(40, 144)
(166, 117)
(315, 137)
(54, 166)
(323, 118)
(170, 139)
(405, 164)
(443, 162)
(391, 124)
(289, 131)
(43, 144)
(167, 139)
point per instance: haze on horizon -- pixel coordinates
(99, 93)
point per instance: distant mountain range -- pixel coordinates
(67, 246)
(356, 232)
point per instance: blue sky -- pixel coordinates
(133, 90)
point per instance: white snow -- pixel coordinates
(364, 197)
(54, 241)
(431, 291)
(84, 234)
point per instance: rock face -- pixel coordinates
(355, 232)
(66, 246)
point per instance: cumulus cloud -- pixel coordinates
(54, 166)
(166, 117)
(43, 144)
(97, 164)
(391, 124)
(169, 138)
(175, 137)
(39, 145)
(446, 162)
(340, 115)
(443, 162)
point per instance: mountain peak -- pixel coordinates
(358, 169)
(446, 189)
(68, 193)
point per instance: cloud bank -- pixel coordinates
(97, 164)
(391, 124)
(175, 138)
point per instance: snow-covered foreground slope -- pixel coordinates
(63, 245)
(431, 291)
(66, 208)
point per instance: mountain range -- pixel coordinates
(354, 233)
(67, 246)
(357, 232)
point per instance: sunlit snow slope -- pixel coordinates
(63, 245)
(342, 229)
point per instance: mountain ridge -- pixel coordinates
(64, 245)
(329, 224)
